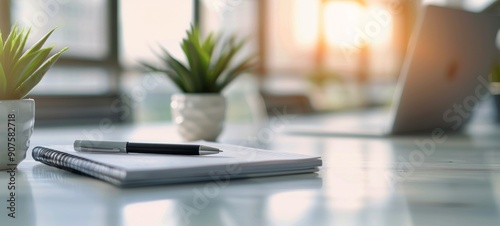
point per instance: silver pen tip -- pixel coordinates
(206, 150)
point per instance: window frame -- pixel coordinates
(64, 105)
(57, 110)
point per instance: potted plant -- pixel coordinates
(200, 111)
(20, 71)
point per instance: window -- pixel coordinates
(147, 24)
(341, 53)
(106, 38)
(327, 49)
(83, 26)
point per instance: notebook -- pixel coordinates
(129, 170)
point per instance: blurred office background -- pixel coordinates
(314, 55)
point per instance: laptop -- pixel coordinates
(444, 75)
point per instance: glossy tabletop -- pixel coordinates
(409, 180)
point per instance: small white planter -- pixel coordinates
(17, 118)
(198, 116)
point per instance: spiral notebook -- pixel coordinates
(128, 170)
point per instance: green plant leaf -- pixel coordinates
(194, 36)
(27, 85)
(16, 42)
(187, 53)
(181, 73)
(177, 81)
(198, 58)
(225, 59)
(22, 42)
(209, 62)
(29, 63)
(3, 82)
(1, 47)
(204, 55)
(181, 70)
(233, 73)
(151, 68)
(20, 72)
(209, 44)
(12, 35)
(199, 54)
(40, 43)
(184, 87)
(198, 69)
(7, 60)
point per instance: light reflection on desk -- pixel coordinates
(283, 208)
(182, 204)
(149, 213)
(19, 208)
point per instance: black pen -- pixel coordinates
(131, 147)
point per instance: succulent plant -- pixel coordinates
(210, 67)
(21, 71)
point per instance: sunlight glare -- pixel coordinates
(351, 24)
(341, 20)
(305, 22)
(290, 207)
(149, 213)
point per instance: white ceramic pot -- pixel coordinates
(198, 116)
(17, 118)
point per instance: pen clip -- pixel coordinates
(103, 150)
(100, 146)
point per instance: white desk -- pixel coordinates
(363, 182)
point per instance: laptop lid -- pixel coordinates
(446, 69)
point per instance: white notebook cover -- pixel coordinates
(151, 169)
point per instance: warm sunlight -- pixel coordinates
(351, 24)
(346, 23)
(342, 19)
(305, 23)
